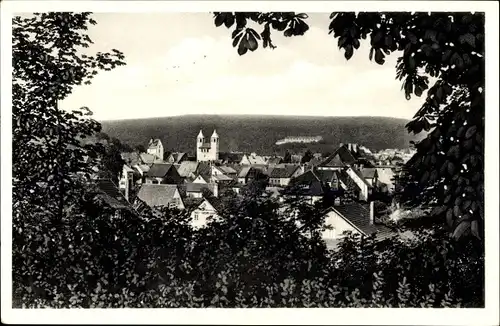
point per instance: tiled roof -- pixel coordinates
(111, 195)
(244, 171)
(176, 157)
(347, 180)
(340, 157)
(157, 194)
(205, 145)
(186, 168)
(159, 170)
(147, 158)
(306, 184)
(283, 172)
(227, 169)
(327, 175)
(255, 159)
(359, 216)
(222, 177)
(196, 187)
(274, 160)
(216, 203)
(360, 175)
(143, 167)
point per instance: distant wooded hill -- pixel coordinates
(260, 133)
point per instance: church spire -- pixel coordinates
(200, 135)
(215, 134)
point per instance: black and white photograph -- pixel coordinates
(159, 154)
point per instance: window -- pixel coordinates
(195, 216)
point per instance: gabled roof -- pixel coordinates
(177, 157)
(216, 203)
(186, 168)
(274, 160)
(143, 167)
(159, 170)
(244, 171)
(348, 181)
(360, 176)
(283, 172)
(359, 216)
(196, 187)
(254, 159)
(111, 195)
(222, 177)
(147, 158)
(227, 169)
(157, 194)
(153, 143)
(306, 184)
(326, 175)
(204, 169)
(341, 157)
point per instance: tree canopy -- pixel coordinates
(448, 168)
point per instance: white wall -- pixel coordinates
(362, 185)
(157, 151)
(200, 216)
(339, 224)
(178, 199)
(199, 179)
(385, 175)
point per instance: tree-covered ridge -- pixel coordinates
(72, 249)
(448, 169)
(260, 133)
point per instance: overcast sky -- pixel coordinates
(305, 75)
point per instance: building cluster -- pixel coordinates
(299, 139)
(351, 175)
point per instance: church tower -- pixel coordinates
(214, 146)
(200, 155)
(207, 149)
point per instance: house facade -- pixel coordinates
(281, 176)
(364, 186)
(155, 148)
(204, 212)
(161, 173)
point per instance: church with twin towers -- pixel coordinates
(207, 149)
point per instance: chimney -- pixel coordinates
(216, 190)
(128, 182)
(372, 212)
